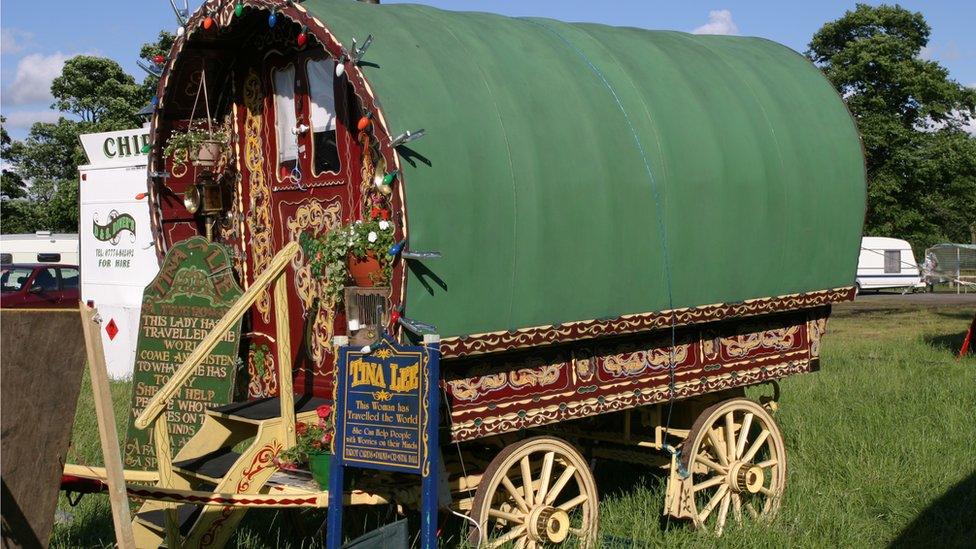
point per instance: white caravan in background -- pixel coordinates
(40, 247)
(118, 256)
(887, 263)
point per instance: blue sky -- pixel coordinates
(36, 43)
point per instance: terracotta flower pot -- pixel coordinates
(207, 154)
(364, 270)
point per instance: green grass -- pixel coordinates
(880, 445)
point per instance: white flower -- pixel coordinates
(384, 224)
(350, 242)
(359, 222)
(372, 236)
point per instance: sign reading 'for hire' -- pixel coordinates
(194, 288)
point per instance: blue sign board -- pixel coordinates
(387, 414)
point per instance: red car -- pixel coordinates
(39, 286)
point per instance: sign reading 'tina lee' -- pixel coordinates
(194, 288)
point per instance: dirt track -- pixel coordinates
(894, 300)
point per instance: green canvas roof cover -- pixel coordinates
(580, 171)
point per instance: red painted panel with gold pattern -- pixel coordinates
(493, 395)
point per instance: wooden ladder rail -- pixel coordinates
(153, 413)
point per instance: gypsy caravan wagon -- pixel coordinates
(614, 231)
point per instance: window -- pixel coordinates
(892, 261)
(46, 280)
(6, 258)
(322, 114)
(13, 279)
(285, 118)
(48, 258)
(69, 279)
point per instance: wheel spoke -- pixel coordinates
(521, 543)
(766, 491)
(498, 513)
(560, 483)
(515, 494)
(760, 440)
(717, 479)
(546, 476)
(530, 545)
(744, 434)
(573, 502)
(711, 464)
(730, 435)
(723, 513)
(752, 510)
(767, 463)
(718, 446)
(716, 499)
(737, 508)
(512, 534)
(527, 480)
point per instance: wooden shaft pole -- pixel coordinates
(107, 432)
(286, 395)
(157, 405)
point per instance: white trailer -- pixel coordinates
(118, 257)
(39, 247)
(887, 263)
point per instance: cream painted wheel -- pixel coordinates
(737, 461)
(538, 492)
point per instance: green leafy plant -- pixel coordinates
(312, 438)
(328, 254)
(183, 144)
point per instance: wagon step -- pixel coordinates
(211, 467)
(156, 519)
(255, 411)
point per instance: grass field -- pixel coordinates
(881, 446)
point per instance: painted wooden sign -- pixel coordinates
(387, 414)
(194, 288)
(383, 412)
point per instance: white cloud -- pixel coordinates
(32, 83)
(14, 40)
(719, 22)
(26, 119)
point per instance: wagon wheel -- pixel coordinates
(558, 506)
(737, 461)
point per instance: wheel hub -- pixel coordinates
(548, 524)
(746, 477)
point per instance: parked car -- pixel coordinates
(887, 263)
(39, 286)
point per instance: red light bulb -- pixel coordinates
(394, 317)
(364, 123)
(208, 22)
(302, 39)
(159, 59)
(140, 196)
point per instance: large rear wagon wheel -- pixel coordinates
(538, 492)
(737, 460)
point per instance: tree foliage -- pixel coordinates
(98, 91)
(921, 164)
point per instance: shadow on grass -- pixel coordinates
(949, 521)
(950, 343)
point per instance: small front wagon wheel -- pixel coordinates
(737, 462)
(538, 492)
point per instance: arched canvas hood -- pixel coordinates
(580, 179)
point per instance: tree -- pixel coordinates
(98, 91)
(921, 164)
(149, 50)
(12, 185)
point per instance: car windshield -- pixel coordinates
(14, 278)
